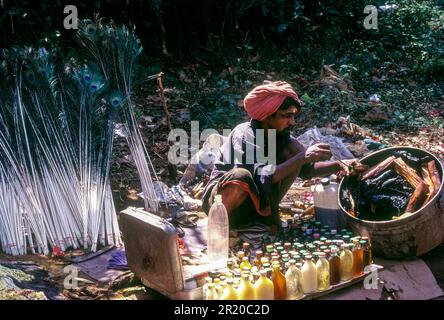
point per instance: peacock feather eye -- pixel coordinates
(91, 29)
(87, 77)
(115, 101)
(29, 75)
(94, 87)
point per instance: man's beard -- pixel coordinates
(283, 135)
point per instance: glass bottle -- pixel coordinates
(364, 247)
(287, 246)
(264, 288)
(246, 249)
(267, 268)
(257, 258)
(323, 272)
(256, 276)
(335, 267)
(246, 289)
(368, 257)
(245, 263)
(218, 291)
(230, 292)
(309, 276)
(279, 283)
(269, 250)
(210, 292)
(240, 257)
(358, 258)
(292, 277)
(346, 263)
(208, 280)
(218, 234)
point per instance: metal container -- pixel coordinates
(406, 237)
(153, 256)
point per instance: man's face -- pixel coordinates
(283, 120)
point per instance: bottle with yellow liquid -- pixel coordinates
(240, 257)
(279, 283)
(264, 288)
(210, 292)
(208, 280)
(257, 259)
(246, 289)
(346, 258)
(309, 276)
(323, 272)
(230, 292)
(245, 264)
(217, 292)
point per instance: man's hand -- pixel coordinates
(318, 152)
(352, 166)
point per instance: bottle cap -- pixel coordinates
(308, 257)
(325, 181)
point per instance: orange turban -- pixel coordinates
(264, 100)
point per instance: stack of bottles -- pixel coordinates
(317, 259)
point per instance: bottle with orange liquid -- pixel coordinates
(279, 283)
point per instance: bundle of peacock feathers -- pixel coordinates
(57, 120)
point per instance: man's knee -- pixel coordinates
(241, 174)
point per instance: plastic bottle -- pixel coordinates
(309, 276)
(323, 272)
(325, 196)
(218, 234)
(230, 292)
(246, 289)
(264, 288)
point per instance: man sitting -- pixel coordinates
(252, 186)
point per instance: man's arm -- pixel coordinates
(320, 169)
(318, 152)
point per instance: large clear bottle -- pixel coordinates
(323, 272)
(309, 276)
(346, 263)
(264, 288)
(218, 234)
(293, 277)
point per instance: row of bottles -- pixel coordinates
(290, 270)
(289, 282)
